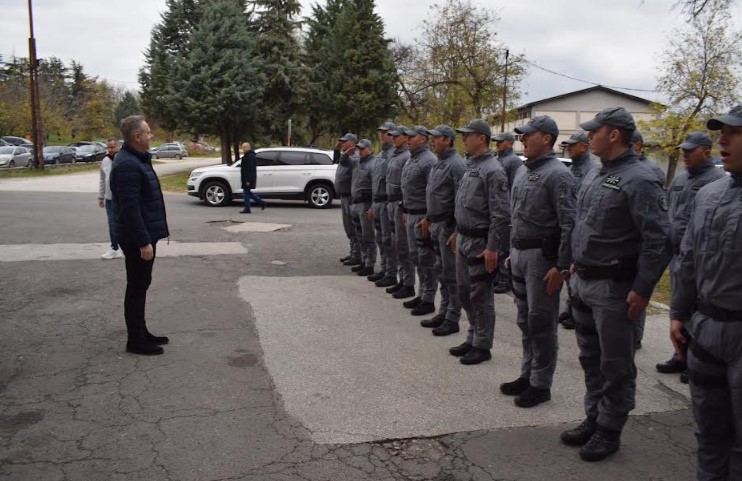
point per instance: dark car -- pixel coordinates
(58, 154)
(90, 153)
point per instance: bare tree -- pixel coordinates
(693, 8)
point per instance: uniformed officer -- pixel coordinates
(361, 197)
(621, 248)
(578, 150)
(543, 202)
(511, 163)
(699, 171)
(482, 236)
(387, 276)
(414, 205)
(406, 284)
(438, 225)
(707, 303)
(343, 179)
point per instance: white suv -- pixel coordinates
(283, 173)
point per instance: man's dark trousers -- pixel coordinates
(138, 279)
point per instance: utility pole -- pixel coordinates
(289, 137)
(38, 146)
(504, 93)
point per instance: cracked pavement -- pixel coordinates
(74, 406)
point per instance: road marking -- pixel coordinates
(66, 252)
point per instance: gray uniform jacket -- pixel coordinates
(361, 184)
(654, 168)
(622, 215)
(344, 173)
(415, 178)
(511, 163)
(580, 167)
(683, 190)
(394, 173)
(711, 251)
(378, 175)
(443, 183)
(544, 204)
(482, 201)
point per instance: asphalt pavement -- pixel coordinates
(282, 364)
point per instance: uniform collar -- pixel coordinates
(420, 150)
(367, 158)
(609, 165)
(484, 156)
(581, 159)
(398, 151)
(387, 146)
(700, 169)
(535, 164)
(447, 154)
(143, 156)
(505, 153)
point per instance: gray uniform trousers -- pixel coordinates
(605, 336)
(399, 240)
(445, 270)
(423, 258)
(364, 229)
(383, 227)
(345, 208)
(475, 291)
(537, 315)
(715, 372)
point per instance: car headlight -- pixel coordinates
(195, 175)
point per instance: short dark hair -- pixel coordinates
(112, 139)
(130, 126)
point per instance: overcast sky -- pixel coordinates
(614, 43)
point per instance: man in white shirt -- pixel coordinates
(104, 198)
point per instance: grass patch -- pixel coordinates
(175, 182)
(662, 289)
(49, 170)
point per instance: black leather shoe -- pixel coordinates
(404, 292)
(502, 287)
(423, 308)
(684, 377)
(434, 322)
(155, 339)
(581, 434)
(357, 268)
(386, 282)
(475, 356)
(352, 262)
(514, 388)
(672, 366)
(601, 445)
(366, 271)
(461, 349)
(533, 396)
(345, 259)
(262, 205)
(394, 288)
(143, 347)
(243, 211)
(565, 319)
(375, 277)
(447, 328)
(412, 303)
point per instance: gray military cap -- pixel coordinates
(417, 130)
(503, 136)
(477, 126)
(617, 117)
(399, 130)
(388, 125)
(443, 131)
(349, 136)
(696, 139)
(365, 144)
(576, 138)
(637, 136)
(543, 123)
(733, 119)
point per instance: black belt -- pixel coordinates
(525, 244)
(440, 217)
(365, 199)
(718, 313)
(475, 233)
(394, 198)
(417, 211)
(380, 198)
(623, 270)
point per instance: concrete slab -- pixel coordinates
(353, 366)
(65, 252)
(256, 227)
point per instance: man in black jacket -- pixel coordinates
(140, 222)
(249, 174)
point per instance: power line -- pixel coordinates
(586, 81)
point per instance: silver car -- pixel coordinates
(169, 151)
(12, 156)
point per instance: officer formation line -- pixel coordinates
(469, 227)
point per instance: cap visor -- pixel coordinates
(568, 142)
(525, 129)
(590, 125)
(718, 122)
(688, 146)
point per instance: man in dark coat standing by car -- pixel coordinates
(140, 222)
(249, 174)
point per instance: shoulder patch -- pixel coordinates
(662, 200)
(697, 187)
(612, 182)
(504, 186)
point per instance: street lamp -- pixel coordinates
(38, 147)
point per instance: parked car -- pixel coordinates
(90, 153)
(201, 147)
(292, 173)
(19, 141)
(58, 154)
(80, 143)
(169, 151)
(12, 156)
(4, 143)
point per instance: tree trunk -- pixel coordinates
(672, 164)
(229, 145)
(224, 143)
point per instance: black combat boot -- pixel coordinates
(404, 292)
(601, 445)
(461, 349)
(581, 434)
(434, 322)
(515, 388)
(423, 308)
(346, 258)
(533, 396)
(412, 303)
(674, 365)
(352, 262)
(447, 328)
(394, 288)
(358, 268)
(386, 282)
(366, 271)
(475, 356)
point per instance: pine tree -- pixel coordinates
(128, 105)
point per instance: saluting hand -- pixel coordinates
(678, 338)
(553, 280)
(637, 305)
(490, 260)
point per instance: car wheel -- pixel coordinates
(216, 194)
(320, 195)
(178, 157)
(154, 156)
(11, 163)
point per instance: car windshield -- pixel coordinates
(52, 150)
(86, 148)
(6, 150)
